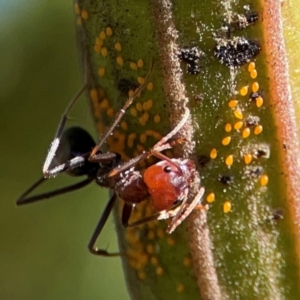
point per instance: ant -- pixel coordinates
(74, 152)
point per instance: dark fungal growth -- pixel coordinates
(192, 57)
(254, 96)
(251, 17)
(242, 21)
(225, 179)
(203, 160)
(236, 51)
(254, 171)
(124, 85)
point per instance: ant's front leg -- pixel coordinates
(186, 209)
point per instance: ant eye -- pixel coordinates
(167, 169)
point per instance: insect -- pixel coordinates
(74, 152)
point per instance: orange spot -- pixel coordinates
(259, 101)
(141, 80)
(264, 180)
(255, 87)
(142, 275)
(210, 198)
(229, 160)
(228, 127)
(247, 158)
(233, 103)
(143, 138)
(110, 112)
(170, 241)
(227, 207)
(120, 61)
(244, 90)
(94, 96)
(108, 31)
(154, 260)
(124, 125)
(130, 93)
(133, 66)
(246, 132)
(159, 271)
(76, 9)
(140, 63)
(238, 114)
(139, 106)
(156, 119)
(102, 35)
(133, 111)
(84, 15)
(104, 51)
(238, 125)
(101, 72)
(180, 288)
(150, 86)
(253, 74)
(148, 104)
(258, 129)
(251, 66)
(226, 141)
(118, 46)
(213, 153)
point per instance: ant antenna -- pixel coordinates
(121, 113)
(62, 123)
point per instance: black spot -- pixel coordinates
(255, 95)
(225, 179)
(260, 153)
(254, 171)
(125, 85)
(251, 17)
(192, 57)
(203, 160)
(277, 214)
(193, 69)
(237, 51)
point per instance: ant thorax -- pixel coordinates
(130, 186)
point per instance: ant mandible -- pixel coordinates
(167, 182)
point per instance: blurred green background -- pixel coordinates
(44, 245)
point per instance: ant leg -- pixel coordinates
(163, 215)
(23, 200)
(126, 213)
(179, 213)
(185, 210)
(104, 157)
(70, 164)
(120, 114)
(174, 130)
(158, 147)
(99, 227)
(56, 141)
(78, 161)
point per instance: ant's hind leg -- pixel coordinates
(22, 200)
(99, 227)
